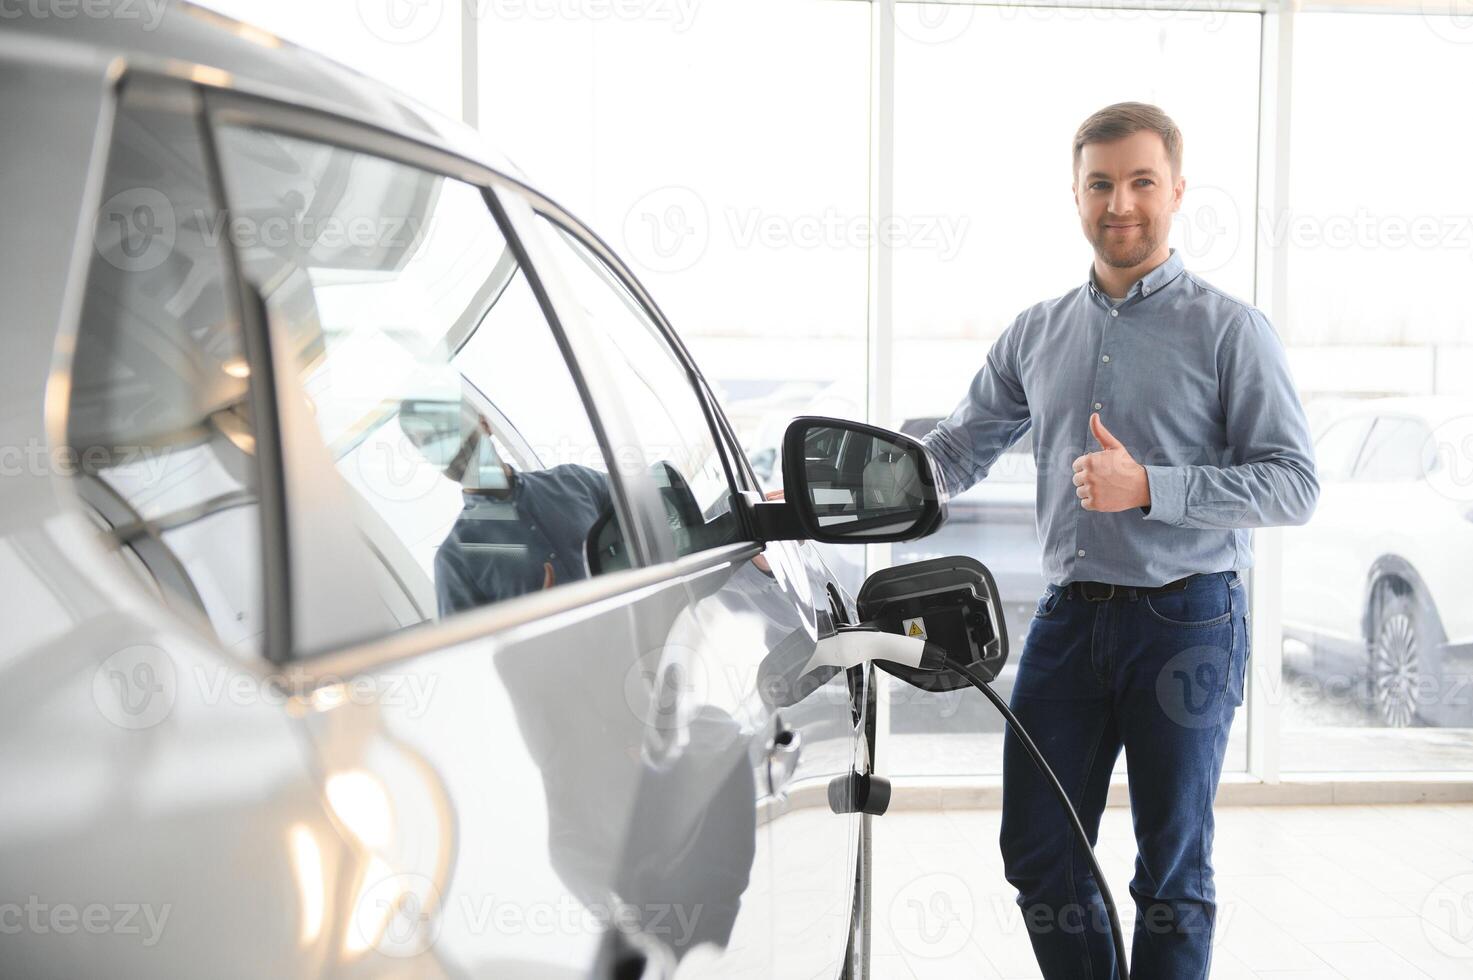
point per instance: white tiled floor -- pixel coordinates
(1382, 892)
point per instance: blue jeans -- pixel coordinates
(1159, 676)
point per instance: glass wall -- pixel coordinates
(1378, 654)
(724, 149)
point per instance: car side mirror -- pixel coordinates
(850, 483)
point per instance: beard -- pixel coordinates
(1130, 252)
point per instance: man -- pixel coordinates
(518, 531)
(1141, 639)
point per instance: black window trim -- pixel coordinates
(559, 217)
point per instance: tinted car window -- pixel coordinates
(464, 452)
(658, 395)
(160, 414)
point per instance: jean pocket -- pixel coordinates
(1203, 603)
(1048, 604)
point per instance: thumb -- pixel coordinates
(1103, 434)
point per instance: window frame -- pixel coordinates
(665, 335)
(140, 540)
(229, 108)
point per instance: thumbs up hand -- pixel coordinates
(1110, 480)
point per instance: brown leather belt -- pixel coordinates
(1101, 591)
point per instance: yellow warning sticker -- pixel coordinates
(915, 627)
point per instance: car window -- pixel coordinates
(459, 443)
(659, 397)
(1398, 450)
(159, 412)
(1338, 446)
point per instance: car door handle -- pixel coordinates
(782, 757)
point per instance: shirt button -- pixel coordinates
(1146, 290)
(1106, 358)
(1080, 552)
(1098, 406)
(1114, 312)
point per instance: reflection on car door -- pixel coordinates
(507, 788)
(758, 617)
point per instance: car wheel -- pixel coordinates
(1401, 635)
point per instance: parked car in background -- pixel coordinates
(1376, 585)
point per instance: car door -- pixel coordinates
(475, 600)
(760, 611)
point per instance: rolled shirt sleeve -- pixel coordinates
(1271, 479)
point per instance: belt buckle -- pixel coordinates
(1086, 590)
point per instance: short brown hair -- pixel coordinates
(1118, 121)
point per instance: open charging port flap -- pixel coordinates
(952, 602)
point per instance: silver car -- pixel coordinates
(384, 591)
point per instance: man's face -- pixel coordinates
(1126, 195)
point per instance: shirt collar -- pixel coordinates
(1150, 283)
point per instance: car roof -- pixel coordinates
(193, 42)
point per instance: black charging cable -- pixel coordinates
(1022, 733)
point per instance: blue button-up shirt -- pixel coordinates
(1193, 382)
